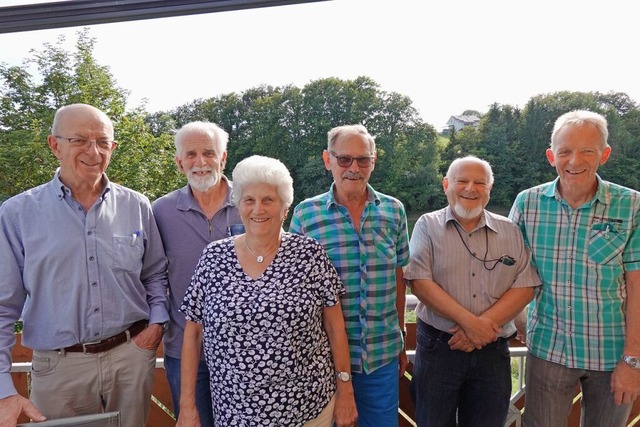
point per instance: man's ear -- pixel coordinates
(445, 184)
(179, 164)
(327, 160)
(605, 156)
(223, 161)
(551, 158)
(54, 145)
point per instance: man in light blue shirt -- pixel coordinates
(84, 265)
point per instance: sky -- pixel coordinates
(446, 56)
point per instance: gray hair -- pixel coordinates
(339, 131)
(473, 159)
(262, 170)
(578, 118)
(215, 133)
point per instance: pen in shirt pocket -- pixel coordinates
(134, 237)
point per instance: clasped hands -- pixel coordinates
(474, 335)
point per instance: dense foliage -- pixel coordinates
(291, 123)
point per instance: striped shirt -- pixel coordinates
(440, 252)
(366, 261)
(577, 319)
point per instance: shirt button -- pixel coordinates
(95, 310)
(473, 274)
(89, 233)
(96, 334)
(94, 284)
(90, 258)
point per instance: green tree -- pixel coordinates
(54, 77)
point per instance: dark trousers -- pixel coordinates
(475, 385)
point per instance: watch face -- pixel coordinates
(634, 362)
(343, 376)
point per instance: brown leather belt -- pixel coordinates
(108, 343)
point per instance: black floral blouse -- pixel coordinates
(264, 341)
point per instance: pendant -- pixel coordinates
(260, 259)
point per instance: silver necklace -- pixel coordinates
(259, 258)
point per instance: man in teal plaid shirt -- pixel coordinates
(365, 235)
(584, 323)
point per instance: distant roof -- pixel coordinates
(467, 119)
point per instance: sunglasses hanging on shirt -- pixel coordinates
(504, 259)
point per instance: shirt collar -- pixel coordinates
(61, 190)
(600, 196)
(372, 196)
(485, 220)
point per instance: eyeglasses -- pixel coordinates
(346, 161)
(103, 144)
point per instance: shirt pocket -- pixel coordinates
(606, 243)
(127, 253)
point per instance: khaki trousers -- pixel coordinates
(70, 384)
(325, 419)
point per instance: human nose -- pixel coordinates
(259, 207)
(353, 167)
(92, 144)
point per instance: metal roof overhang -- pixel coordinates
(40, 16)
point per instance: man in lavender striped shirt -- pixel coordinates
(470, 270)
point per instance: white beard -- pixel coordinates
(465, 213)
(202, 183)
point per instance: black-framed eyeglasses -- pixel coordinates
(346, 161)
(103, 144)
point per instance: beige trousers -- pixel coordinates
(70, 384)
(325, 419)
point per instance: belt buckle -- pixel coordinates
(85, 344)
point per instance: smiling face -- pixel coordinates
(468, 189)
(576, 154)
(262, 210)
(81, 167)
(351, 180)
(201, 161)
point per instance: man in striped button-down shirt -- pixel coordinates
(584, 323)
(471, 272)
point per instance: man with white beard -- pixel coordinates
(470, 270)
(189, 219)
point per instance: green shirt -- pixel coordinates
(366, 261)
(577, 318)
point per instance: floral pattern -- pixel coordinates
(264, 341)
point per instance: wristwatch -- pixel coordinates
(632, 361)
(343, 376)
(164, 326)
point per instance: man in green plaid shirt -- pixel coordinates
(584, 323)
(365, 235)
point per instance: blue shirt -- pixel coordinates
(185, 232)
(366, 260)
(77, 276)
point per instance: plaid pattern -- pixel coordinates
(577, 319)
(366, 263)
